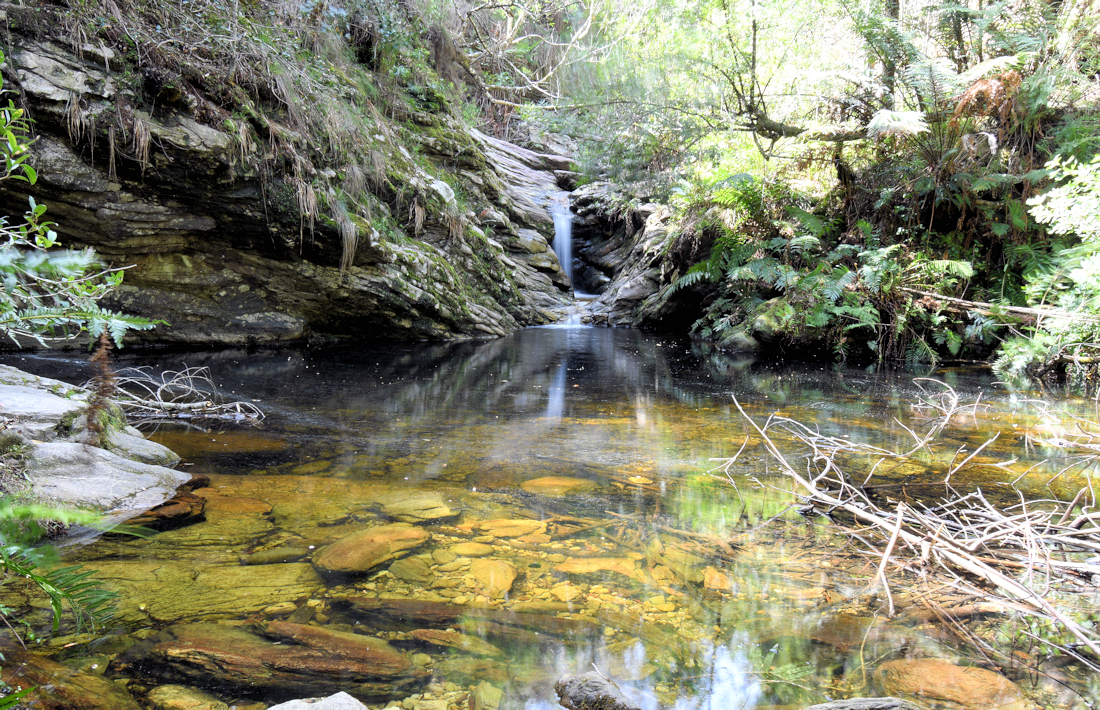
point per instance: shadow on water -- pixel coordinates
(575, 465)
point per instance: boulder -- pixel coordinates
(182, 697)
(38, 413)
(61, 687)
(339, 701)
(494, 577)
(366, 549)
(85, 477)
(591, 691)
(948, 685)
(282, 659)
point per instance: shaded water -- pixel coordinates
(604, 439)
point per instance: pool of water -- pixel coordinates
(572, 517)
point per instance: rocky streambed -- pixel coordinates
(443, 535)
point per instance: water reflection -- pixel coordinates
(603, 439)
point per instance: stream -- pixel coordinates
(566, 513)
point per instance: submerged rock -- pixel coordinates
(61, 687)
(946, 684)
(364, 550)
(412, 569)
(555, 486)
(470, 549)
(415, 507)
(182, 697)
(865, 704)
(510, 528)
(494, 577)
(591, 691)
(288, 659)
(460, 642)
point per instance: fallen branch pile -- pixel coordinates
(1017, 556)
(183, 394)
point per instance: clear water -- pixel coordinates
(631, 420)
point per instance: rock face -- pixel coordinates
(284, 659)
(946, 684)
(366, 549)
(221, 250)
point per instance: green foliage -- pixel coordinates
(21, 555)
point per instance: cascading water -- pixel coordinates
(563, 235)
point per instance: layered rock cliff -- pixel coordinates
(455, 242)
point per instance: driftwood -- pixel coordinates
(995, 308)
(1015, 553)
(186, 393)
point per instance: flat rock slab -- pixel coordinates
(962, 687)
(556, 486)
(282, 659)
(591, 691)
(39, 413)
(339, 701)
(510, 528)
(446, 638)
(366, 549)
(94, 479)
(414, 507)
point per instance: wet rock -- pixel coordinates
(182, 697)
(468, 671)
(364, 550)
(935, 680)
(539, 607)
(566, 592)
(277, 555)
(866, 704)
(412, 569)
(453, 639)
(415, 507)
(555, 486)
(601, 567)
(293, 659)
(494, 577)
(93, 479)
(443, 557)
(486, 696)
(339, 701)
(472, 549)
(61, 687)
(591, 691)
(510, 528)
(179, 511)
(170, 591)
(138, 448)
(713, 579)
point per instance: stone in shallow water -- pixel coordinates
(364, 550)
(486, 697)
(511, 528)
(442, 557)
(558, 486)
(182, 697)
(714, 579)
(289, 659)
(601, 567)
(472, 549)
(413, 507)
(61, 687)
(455, 640)
(936, 680)
(591, 691)
(412, 569)
(495, 577)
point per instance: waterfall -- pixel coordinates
(563, 234)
